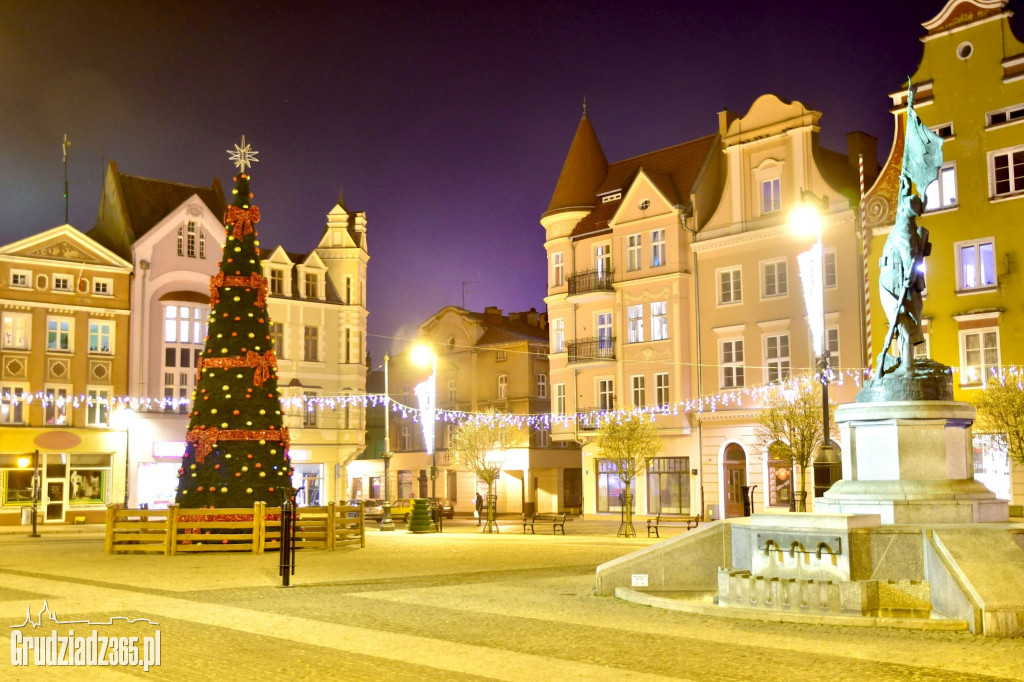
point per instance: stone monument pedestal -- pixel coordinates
(910, 462)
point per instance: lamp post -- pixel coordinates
(806, 219)
(386, 523)
(421, 355)
(23, 463)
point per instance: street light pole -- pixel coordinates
(386, 523)
(36, 481)
(433, 454)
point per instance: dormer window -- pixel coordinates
(312, 285)
(607, 199)
(191, 241)
(276, 282)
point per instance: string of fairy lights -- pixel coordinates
(737, 398)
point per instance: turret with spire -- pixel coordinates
(582, 173)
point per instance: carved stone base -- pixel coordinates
(926, 380)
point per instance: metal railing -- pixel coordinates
(590, 280)
(591, 350)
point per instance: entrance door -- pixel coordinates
(735, 473)
(55, 501)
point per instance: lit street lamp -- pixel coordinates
(426, 392)
(386, 523)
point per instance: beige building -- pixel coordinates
(64, 303)
(621, 309)
(485, 361)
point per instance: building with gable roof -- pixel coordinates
(973, 211)
(64, 304)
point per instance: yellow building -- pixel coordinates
(64, 303)
(970, 90)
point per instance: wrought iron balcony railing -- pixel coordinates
(590, 280)
(591, 350)
(590, 418)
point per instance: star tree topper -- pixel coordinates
(243, 155)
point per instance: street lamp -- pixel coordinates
(386, 523)
(423, 354)
(23, 463)
(806, 220)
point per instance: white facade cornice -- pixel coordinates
(731, 240)
(62, 309)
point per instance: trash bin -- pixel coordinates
(26, 516)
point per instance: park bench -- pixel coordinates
(670, 520)
(556, 520)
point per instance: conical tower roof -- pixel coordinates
(584, 169)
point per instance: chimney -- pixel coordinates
(531, 317)
(542, 320)
(725, 117)
(858, 143)
(492, 314)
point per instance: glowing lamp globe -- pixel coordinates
(805, 220)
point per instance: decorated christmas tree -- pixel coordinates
(237, 447)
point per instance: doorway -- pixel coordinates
(734, 472)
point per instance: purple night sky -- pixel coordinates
(446, 122)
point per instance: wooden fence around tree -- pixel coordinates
(180, 531)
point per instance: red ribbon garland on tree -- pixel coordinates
(206, 438)
(255, 281)
(262, 364)
(242, 219)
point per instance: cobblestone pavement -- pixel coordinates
(457, 606)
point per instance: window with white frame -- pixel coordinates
(776, 354)
(97, 409)
(659, 320)
(730, 288)
(1007, 115)
(102, 286)
(184, 338)
(774, 278)
(181, 240)
(191, 241)
(542, 385)
(1006, 171)
(101, 335)
(202, 243)
(62, 283)
(979, 355)
(730, 353)
(639, 391)
(830, 276)
(635, 315)
(661, 394)
(558, 336)
(21, 279)
(276, 282)
(557, 269)
(309, 409)
(58, 333)
(976, 264)
(12, 404)
(604, 330)
(943, 130)
(312, 280)
(559, 399)
(16, 330)
(55, 407)
(606, 394)
(832, 342)
(941, 193)
(771, 196)
(502, 386)
(452, 391)
(633, 256)
(543, 438)
(603, 258)
(657, 248)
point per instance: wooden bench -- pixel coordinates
(556, 520)
(670, 520)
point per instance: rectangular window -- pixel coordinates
(611, 491)
(604, 330)
(557, 269)
(941, 193)
(406, 438)
(1007, 172)
(100, 334)
(976, 264)
(12, 405)
(502, 386)
(312, 285)
(731, 360)
(558, 336)
(102, 287)
(668, 485)
(62, 283)
(979, 355)
(730, 289)
(771, 196)
(276, 282)
(202, 243)
(309, 409)
(20, 278)
(16, 330)
(659, 320)
(830, 268)
(639, 391)
(55, 407)
(774, 279)
(606, 394)
(452, 391)
(501, 355)
(657, 248)
(832, 341)
(559, 399)
(633, 246)
(777, 357)
(661, 396)
(603, 258)
(181, 240)
(1014, 113)
(635, 314)
(542, 385)
(190, 240)
(96, 407)
(89, 479)
(348, 290)
(277, 335)
(310, 343)
(58, 334)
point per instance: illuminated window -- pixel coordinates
(12, 404)
(657, 248)
(558, 336)
(191, 240)
(979, 355)
(771, 196)
(659, 320)
(635, 314)
(502, 386)
(100, 335)
(557, 269)
(96, 407)
(633, 257)
(941, 193)
(184, 338)
(58, 334)
(55, 407)
(603, 258)
(16, 330)
(976, 264)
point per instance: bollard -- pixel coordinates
(287, 563)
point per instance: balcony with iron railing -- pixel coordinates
(591, 350)
(589, 281)
(590, 418)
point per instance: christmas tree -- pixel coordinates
(237, 447)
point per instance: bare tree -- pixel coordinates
(630, 442)
(790, 426)
(481, 444)
(1000, 407)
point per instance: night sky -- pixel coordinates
(446, 122)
